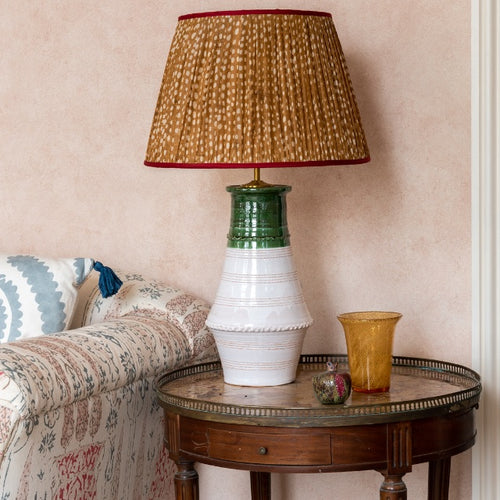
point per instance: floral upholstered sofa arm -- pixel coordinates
(78, 412)
(151, 299)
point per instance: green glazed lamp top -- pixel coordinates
(258, 217)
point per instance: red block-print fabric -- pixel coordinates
(78, 412)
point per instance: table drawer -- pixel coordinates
(270, 448)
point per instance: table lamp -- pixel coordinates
(256, 89)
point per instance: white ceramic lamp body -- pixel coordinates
(259, 317)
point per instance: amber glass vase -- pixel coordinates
(369, 337)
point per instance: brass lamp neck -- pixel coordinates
(256, 182)
(256, 174)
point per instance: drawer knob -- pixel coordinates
(262, 450)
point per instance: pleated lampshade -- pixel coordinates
(266, 88)
(256, 88)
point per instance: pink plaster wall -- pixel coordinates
(78, 86)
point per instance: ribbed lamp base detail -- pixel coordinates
(259, 358)
(259, 317)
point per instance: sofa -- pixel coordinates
(78, 413)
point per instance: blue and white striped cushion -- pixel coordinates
(38, 295)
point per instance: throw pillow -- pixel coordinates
(38, 295)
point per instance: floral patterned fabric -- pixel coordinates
(78, 412)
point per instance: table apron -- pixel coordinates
(391, 447)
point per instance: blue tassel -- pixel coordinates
(109, 282)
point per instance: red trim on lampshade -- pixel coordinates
(280, 164)
(255, 11)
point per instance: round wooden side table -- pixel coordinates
(427, 416)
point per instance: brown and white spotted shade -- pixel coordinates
(265, 88)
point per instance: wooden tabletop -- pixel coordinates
(420, 388)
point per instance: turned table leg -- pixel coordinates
(186, 481)
(439, 479)
(393, 488)
(399, 459)
(261, 485)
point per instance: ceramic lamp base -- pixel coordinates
(259, 359)
(259, 317)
